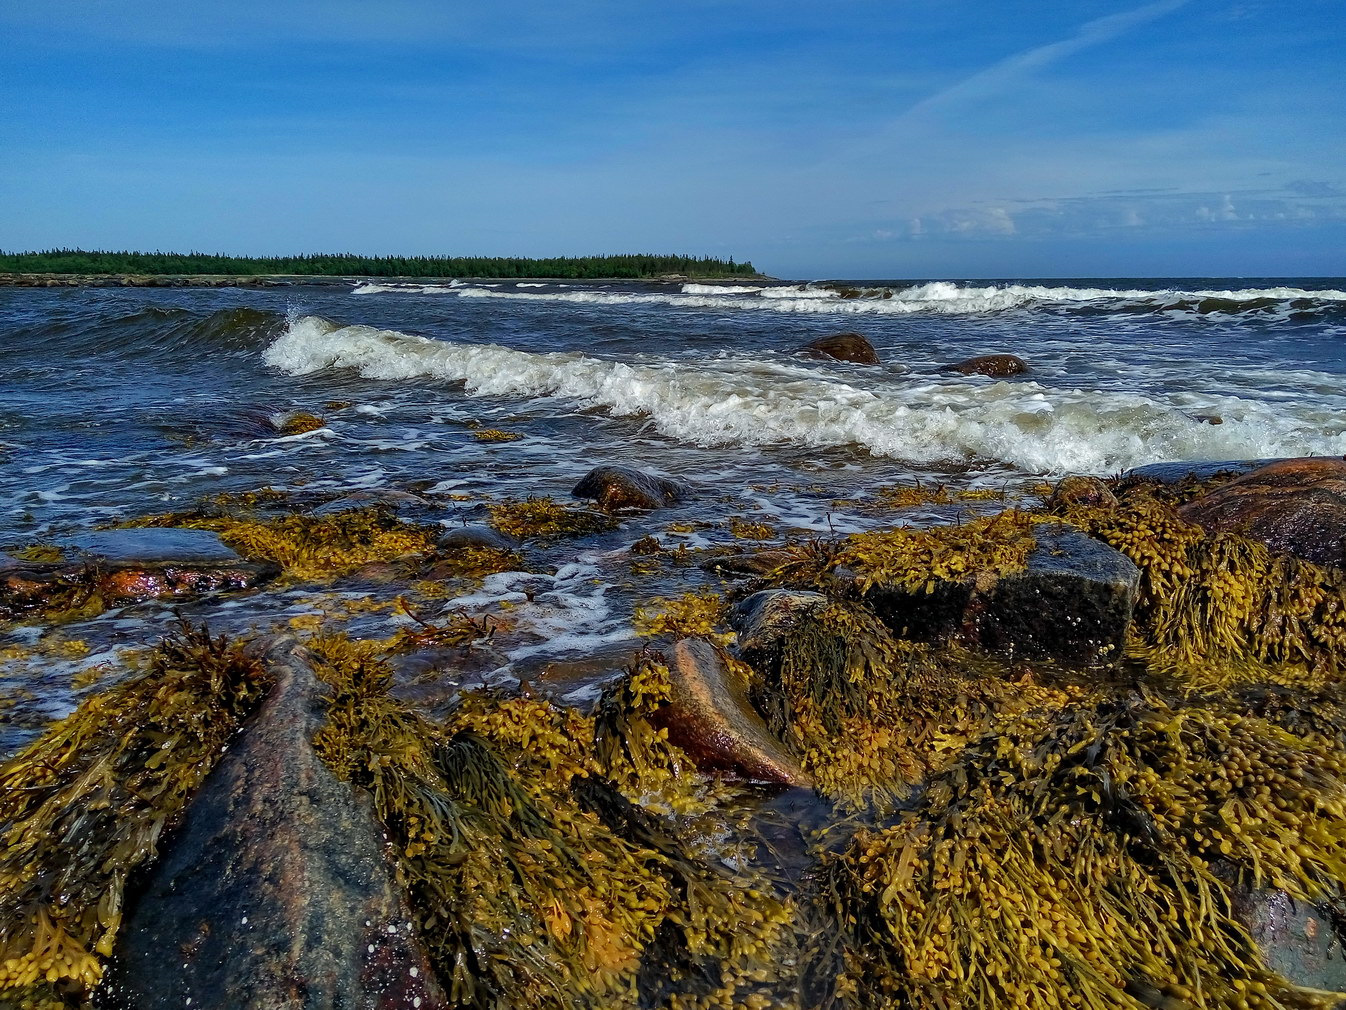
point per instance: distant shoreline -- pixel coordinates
(56, 280)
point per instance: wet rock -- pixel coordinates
(1297, 506)
(1174, 472)
(393, 501)
(1079, 491)
(766, 617)
(997, 366)
(1072, 603)
(843, 347)
(710, 717)
(114, 567)
(747, 564)
(476, 537)
(1208, 418)
(622, 487)
(276, 892)
(1297, 939)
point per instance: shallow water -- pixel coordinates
(122, 402)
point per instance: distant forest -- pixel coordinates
(77, 261)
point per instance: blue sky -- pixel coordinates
(848, 139)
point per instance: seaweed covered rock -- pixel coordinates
(843, 347)
(91, 571)
(85, 807)
(617, 488)
(997, 366)
(275, 892)
(1293, 505)
(762, 619)
(708, 715)
(544, 519)
(1008, 583)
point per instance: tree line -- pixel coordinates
(79, 261)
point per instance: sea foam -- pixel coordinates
(769, 400)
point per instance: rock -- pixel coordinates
(275, 893)
(766, 617)
(475, 537)
(393, 501)
(1172, 473)
(997, 366)
(114, 567)
(622, 487)
(1073, 603)
(710, 717)
(1208, 418)
(1079, 491)
(1297, 506)
(1296, 939)
(751, 563)
(843, 347)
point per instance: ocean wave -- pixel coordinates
(744, 401)
(944, 297)
(152, 332)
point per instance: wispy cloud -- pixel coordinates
(1003, 75)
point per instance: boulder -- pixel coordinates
(709, 716)
(616, 488)
(764, 618)
(1297, 939)
(476, 537)
(1072, 603)
(275, 893)
(1297, 506)
(393, 501)
(114, 567)
(997, 366)
(1173, 472)
(843, 347)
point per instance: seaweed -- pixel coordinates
(694, 613)
(545, 519)
(87, 804)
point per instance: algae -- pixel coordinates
(87, 804)
(545, 519)
(495, 435)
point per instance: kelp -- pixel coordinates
(524, 891)
(1220, 608)
(545, 519)
(310, 547)
(88, 803)
(1085, 859)
(870, 715)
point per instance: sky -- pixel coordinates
(853, 138)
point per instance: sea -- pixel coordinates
(122, 402)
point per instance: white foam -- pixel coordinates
(716, 289)
(741, 401)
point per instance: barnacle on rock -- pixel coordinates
(86, 805)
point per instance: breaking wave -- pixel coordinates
(763, 401)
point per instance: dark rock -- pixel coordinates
(1297, 939)
(751, 563)
(476, 537)
(710, 717)
(114, 567)
(1297, 506)
(276, 892)
(393, 501)
(1073, 603)
(766, 617)
(621, 487)
(1173, 473)
(997, 366)
(843, 347)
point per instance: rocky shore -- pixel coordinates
(1088, 751)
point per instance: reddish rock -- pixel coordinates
(1297, 506)
(276, 893)
(997, 366)
(709, 716)
(843, 347)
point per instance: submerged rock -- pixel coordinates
(709, 716)
(843, 347)
(1297, 506)
(1072, 603)
(393, 501)
(621, 487)
(114, 567)
(276, 892)
(476, 536)
(997, 366)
